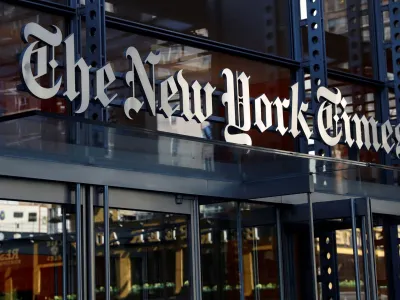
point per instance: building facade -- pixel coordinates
(199, 150)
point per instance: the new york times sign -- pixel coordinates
(333, 123)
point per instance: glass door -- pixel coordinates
(342, 248)
(150, 254)
(37, 240)
(239, 251)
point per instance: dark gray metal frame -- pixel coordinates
(93, 13)
(316, 65)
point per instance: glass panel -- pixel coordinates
(224, 21)
(334, 258)
(360, 100)
(11, 100)
(31, 250)
(149, 255)
(203, 66)
(147, 152)
(346, 23)
(387, 255)
(260, 257)
(346, 265)
(219, 251)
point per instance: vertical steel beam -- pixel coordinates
(64, 252)
(328, 258)
(394, 13)
(355, 59)
(297, 54)
(371, 251)
(96, 57)
(365, 259)
(280, 254)
(380, 73)
(79, 266)
(95, 50)
(390, 232)
(84, 242)
(240, 248)
(355, 248)
(355, 44)
(91, 295)
(106, 241)
(317, 61)
(195, 250)
(312, 248)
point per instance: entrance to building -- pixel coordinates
(51, 250)
(351, 251)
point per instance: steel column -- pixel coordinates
(380, 73)
(195, 250)
(355, 248)
(91, 295)
(355, 59)
(394, 13)
(390, 232)
(95, 50)
(64, 252)
(365, 259)
(317, 61)
(79, 266)
(84, 242)
(312, 248)
(371, 251)
(106, 241)
(280, 254)
(240, 248)
(329, 272)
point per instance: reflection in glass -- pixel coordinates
(31, 250)
(260, 257)
(338, 256)
(203, 66)
(347, 23)
(261, 26)
(149, 255)
(11, 100)
(219, 251)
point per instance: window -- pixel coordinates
(32, 217)
(261, 26)
(203, 66)
(347, 24)
(18, 215)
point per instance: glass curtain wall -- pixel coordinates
(149, 255)
(31, 250)
(239, 257)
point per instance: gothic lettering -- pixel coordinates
(147, 85)
(29, 77)
(334, 125)
(297, 115)
(236, 106)
(71, 93)
(327, 114)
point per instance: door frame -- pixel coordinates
(84, 197)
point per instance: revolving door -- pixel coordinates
(354, 252)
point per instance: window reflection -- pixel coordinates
(335, 259)
(149, 255)
(261, 26)
(31, 250)
(347, 23)
(11, 100)
(260, 257)
(203, 66)
(219, 252)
